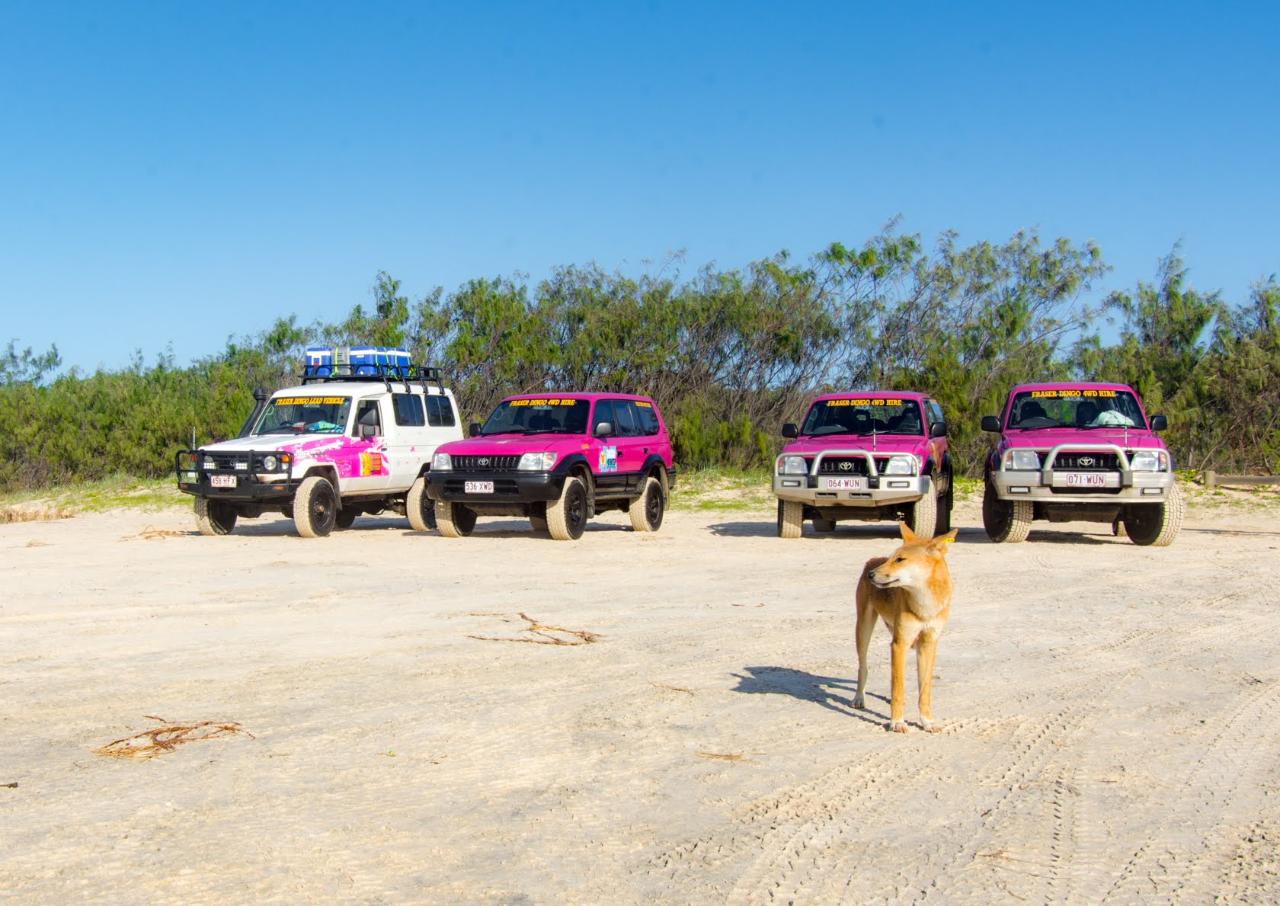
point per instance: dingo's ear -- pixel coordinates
(942, 542)
(907, 535)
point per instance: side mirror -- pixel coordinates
(604, 429)
(1159, 423)
(939, 429)
(991, 423)
(790, 430)
(368, 431)
(473, 429)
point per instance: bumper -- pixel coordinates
(508, 487)
(1133, 487)
(247, 486)
(878, 491)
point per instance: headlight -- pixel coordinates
(269, 463)
(900, 465)
(792, 465)
(537, 462)
(1149, 461)
(441, 462)
(1022, 460)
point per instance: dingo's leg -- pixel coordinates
(898, 691)
(926, 652)
(866, 626)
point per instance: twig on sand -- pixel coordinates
(166, 738)
(542, 634)
(720, 756)
(671, 687)
(10, 786)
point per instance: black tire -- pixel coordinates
(647, 510)
(790, 518)
(823, 525)
(945, 504)
(922, 517)
(567, 516)
(420, 508)
(454, 520)
(315, 507)
(214, 517)
(1156, 524)
(344, 518)
(1006, 521)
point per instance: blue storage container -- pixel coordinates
(361, 360)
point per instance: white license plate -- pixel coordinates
(844, 484)
(222, 481)
(1086, 480)
(478, 487)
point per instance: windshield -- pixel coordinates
(538, 416)
(1082, 407)
(304, 415)
(863, 416)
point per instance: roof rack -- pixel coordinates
(381, 373)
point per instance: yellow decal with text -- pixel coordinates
(1070, 394)
(864, 402)
(309, 400)
(643, 405)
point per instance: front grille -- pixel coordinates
(843, 465)
(223, 460)
(1087, 461)
(501, 486)
(485, 463)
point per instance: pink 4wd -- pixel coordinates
(866, 455)
(557, 459)
(1079, 452)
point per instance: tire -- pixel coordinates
(647, 510)
(823, 525)
(945, 504)
(1006, 521)
(567, 516)
(454, 520)
(420, 508)
(790, 518)
(315, 507)
(214, 517)
(923, 515)
(1156, 524)
(344, 518)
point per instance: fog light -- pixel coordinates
(899, 484)
(1152, 491)
(1017, 490)
(791, 484)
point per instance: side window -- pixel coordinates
(439, 412)
(408, 409)
(648, 418)
(603, 413)
(367, 414)
(625, 411)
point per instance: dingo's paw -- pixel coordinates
(860, 703)
(898, 726)
(929, 726)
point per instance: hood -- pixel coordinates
(1045, 438)
(882, 443)
(513, 444)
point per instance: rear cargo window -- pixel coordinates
(440, 412)
(648, 418)
(408, 407)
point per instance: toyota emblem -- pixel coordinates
(482, 461)
(846, 466)
(1085, 460)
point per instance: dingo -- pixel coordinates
(911, 591)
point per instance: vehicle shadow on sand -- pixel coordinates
(879, 530)
(821, 690)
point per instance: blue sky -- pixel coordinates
(171, 174)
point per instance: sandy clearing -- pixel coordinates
(1112, 717)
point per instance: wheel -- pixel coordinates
(945, 504)
(823, 525)
(790, 518)
(345, 517)
(567, 517)
(315, 507)
(453, 519)
(214, 517)
(1006, 521)
(420, 508)
(646, 511)
(1156, 524)
(923, 515)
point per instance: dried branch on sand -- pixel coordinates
(166, 738)
(536, 633)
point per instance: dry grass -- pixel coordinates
(33, 512)
(538, 633)
(167, 737)
(155, 534)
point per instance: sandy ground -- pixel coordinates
(1112, 717)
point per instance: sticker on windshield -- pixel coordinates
(1070, 394)
(608, 459)
(553, 401)
(864, 402)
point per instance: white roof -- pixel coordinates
(355, 388)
